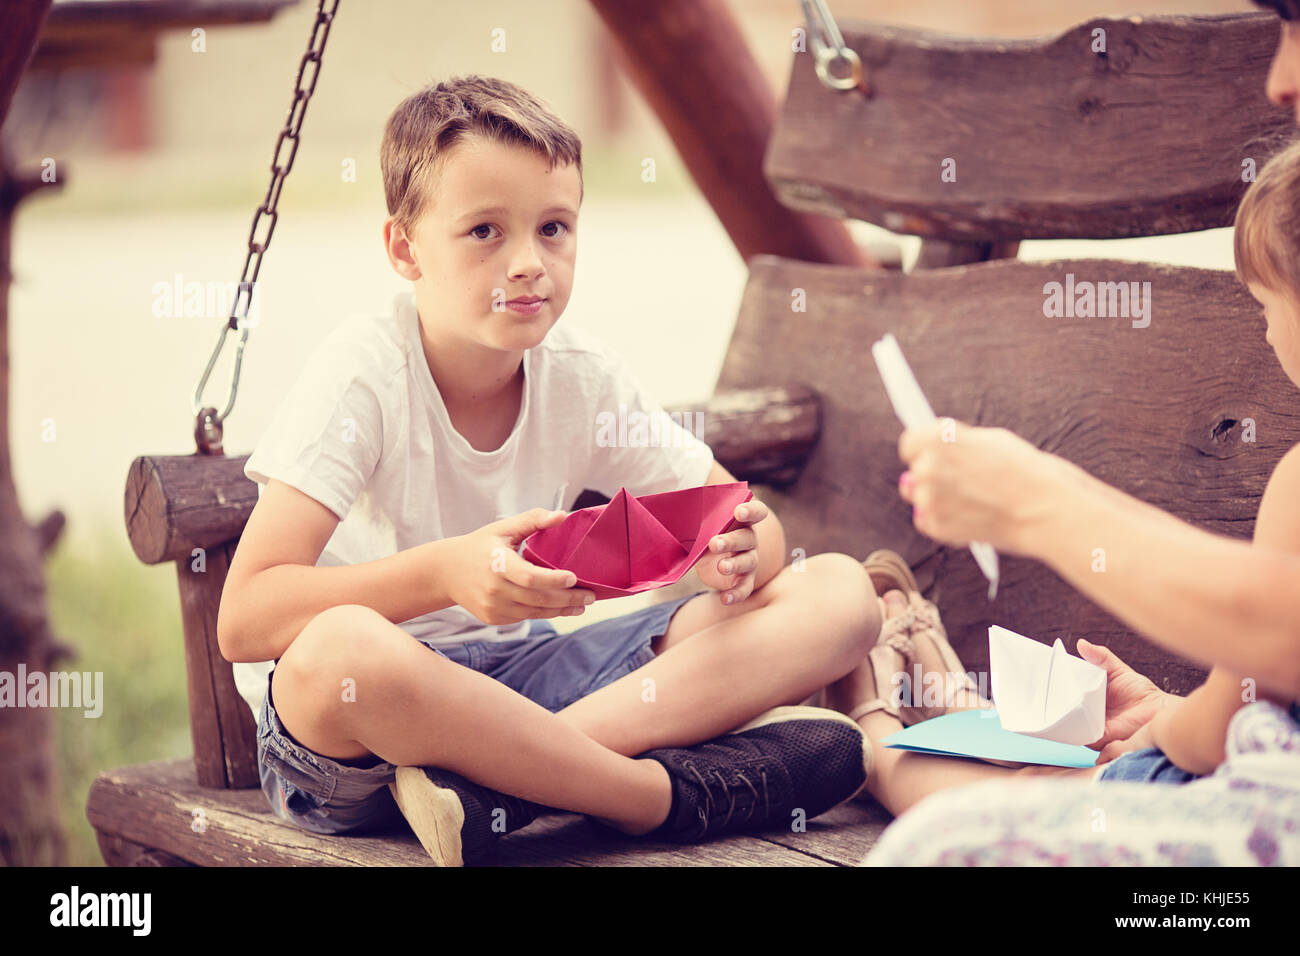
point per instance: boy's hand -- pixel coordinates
(732, 559)
(491, 581)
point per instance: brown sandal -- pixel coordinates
(892, 571)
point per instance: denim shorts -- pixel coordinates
(1148, 765)
(329, 795)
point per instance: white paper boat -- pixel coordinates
(1046, 692)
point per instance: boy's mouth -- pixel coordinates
(529, 305)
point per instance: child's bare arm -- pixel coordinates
(1184, 588)
(273, 588)
(1193, 736)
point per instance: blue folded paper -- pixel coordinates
(979, 734)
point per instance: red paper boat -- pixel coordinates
(637, 544)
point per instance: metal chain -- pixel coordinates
(208, 422)
(828, 47)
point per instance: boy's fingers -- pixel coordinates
(743, 539)
(529, 611)
(751, 511)
(524, 573)
(743, 563)
(546, 597)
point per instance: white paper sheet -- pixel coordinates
(913, 410)
(1045, 691)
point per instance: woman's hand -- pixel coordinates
(729, 564)
(979, 484)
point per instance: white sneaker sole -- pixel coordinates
(434, 813)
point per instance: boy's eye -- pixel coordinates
(474, 232)
(560, 225)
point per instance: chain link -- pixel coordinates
(208, 422)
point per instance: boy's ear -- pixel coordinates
(398, 246)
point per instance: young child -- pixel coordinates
(992, 485)
(415, 452)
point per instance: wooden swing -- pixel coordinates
(1042, 132)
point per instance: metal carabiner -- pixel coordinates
(829, 47)
(207, 421)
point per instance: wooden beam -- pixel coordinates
(690, 62)
(23, 20)
(983, 139)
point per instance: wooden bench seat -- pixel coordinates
(145, 815)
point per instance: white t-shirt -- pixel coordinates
(365, 432)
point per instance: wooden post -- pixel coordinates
(30, 834)
(691, 63)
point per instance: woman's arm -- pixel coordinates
(1214, 600)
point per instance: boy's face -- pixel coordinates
(503, 227)
(1284, 75)
(1283, 317)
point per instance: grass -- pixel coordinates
(123, 618)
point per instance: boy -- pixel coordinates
(413, 455)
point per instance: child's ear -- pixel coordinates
(398, 246)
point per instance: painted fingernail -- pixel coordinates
(726, 599)
(726, 567)
(716, 544)
(905, 480)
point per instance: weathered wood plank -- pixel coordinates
(1047, 138)
(223, 730)
(151, 808)
(1158, 412)
(842, 835)
(154, 804)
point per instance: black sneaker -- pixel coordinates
(458, 821)
(760, 775)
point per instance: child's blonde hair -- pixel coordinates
(1266, 232)
(426, 126)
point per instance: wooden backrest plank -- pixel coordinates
(1157, 412)
(1048, 138)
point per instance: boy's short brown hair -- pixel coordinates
(1266, 233)
(426, 126)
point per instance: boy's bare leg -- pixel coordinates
(719, 666)
(413, 707)
(900, 779)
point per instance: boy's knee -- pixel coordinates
(839, 589)
(336, 643)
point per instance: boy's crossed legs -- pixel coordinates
(715, 668)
